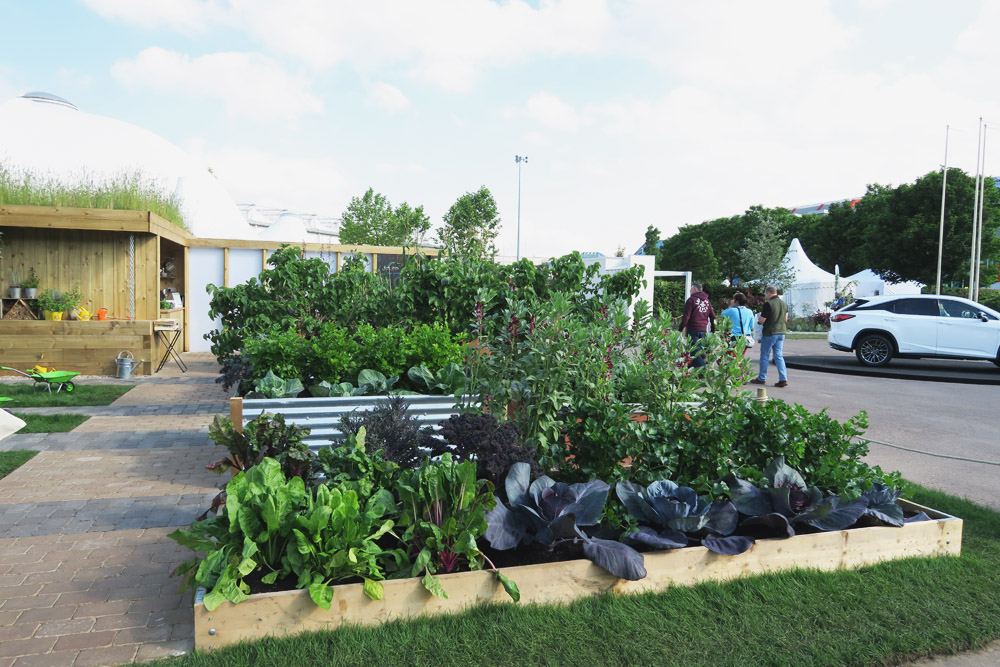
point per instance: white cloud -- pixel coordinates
(448, 43)
(190, 17)
(554, 113)
(736, 44)
(385, 96)
(250, 84)
(305, 185)
(444, 42)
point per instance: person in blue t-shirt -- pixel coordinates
(741, 316)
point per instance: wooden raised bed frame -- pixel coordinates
(290, 612)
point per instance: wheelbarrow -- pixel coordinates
(59, 379)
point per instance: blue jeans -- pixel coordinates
(776, 343)
(698, 361)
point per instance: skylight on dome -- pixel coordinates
(39, 96)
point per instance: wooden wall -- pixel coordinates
(97, 261)
(86, 347)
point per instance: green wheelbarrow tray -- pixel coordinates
(60, 379)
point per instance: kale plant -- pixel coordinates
(493, 446)
(389, 427)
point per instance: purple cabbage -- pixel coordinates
(674, 516)
(550, 512)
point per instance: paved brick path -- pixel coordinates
(84, 557)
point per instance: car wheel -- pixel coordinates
(874, 350)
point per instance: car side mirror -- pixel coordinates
(983, 316)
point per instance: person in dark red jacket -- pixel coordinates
(698, 318)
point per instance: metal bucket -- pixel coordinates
(125, 364)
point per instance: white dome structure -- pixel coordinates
(288, 228)
(49, 138)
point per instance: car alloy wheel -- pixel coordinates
(874, 350)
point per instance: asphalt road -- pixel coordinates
(951, 418)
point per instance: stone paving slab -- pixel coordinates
(115, 410)
(177, 422)
(66, 476)
(150, 394)
(92, 598)
(30, 519)
(118, 440)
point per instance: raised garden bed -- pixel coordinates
(291, 612)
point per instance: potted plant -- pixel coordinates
(51, 303)
(71, 301)
(15, 285)
(30, 285)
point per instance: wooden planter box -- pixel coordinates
(290, 612)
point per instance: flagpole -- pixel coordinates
(944, 184)
(982, 197)
(975, 212)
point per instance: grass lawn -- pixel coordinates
(877, 615)
(50, 423)
(28, 395)
(12, 460)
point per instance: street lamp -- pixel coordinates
(519, 159)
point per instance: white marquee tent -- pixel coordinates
(868, 283)
(812, 287)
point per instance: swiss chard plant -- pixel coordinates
(550, 513)
(251, 534)
(673, 517)
(784, 502)
(336, 537)
(443, 510)
(267, 436)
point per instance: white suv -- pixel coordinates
(879, 328)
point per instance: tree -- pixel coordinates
(471, 225)
(763, 257)
(652, 241)
(898, 228)
(371, 220)
(695, 256)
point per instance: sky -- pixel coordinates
(631, 112)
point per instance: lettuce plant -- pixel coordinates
(550, 513)
(674, 516)
(784, 501)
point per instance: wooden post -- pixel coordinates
(375, 262)
(187, 298)
(225, 267)
(236, 412)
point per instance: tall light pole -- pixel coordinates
(944, 183)
(519, 159)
